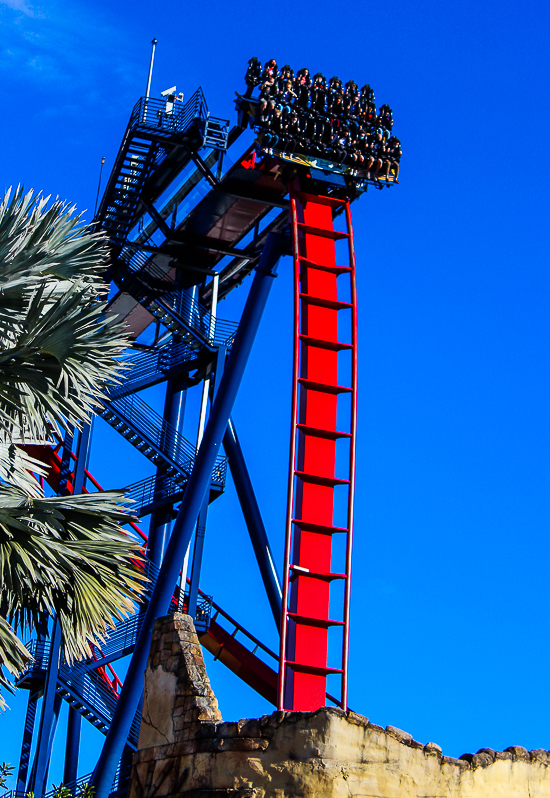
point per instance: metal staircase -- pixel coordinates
(155, 288)
(156, 365)
(82, 686)
(155, 131)
(154, 437)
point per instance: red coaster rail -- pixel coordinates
(317, 412)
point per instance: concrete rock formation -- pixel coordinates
(186, 750)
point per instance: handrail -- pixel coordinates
(141, 265)
(165, 115)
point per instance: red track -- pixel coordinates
(313, 480)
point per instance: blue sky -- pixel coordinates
(450, 631)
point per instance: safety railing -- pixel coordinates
(153, 280)
(171, 116)
(153, 428)
(155, 491)
(147, 367)
(122, 637)
(88, 688)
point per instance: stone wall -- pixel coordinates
(186, 750)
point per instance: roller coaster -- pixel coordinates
(191, 212)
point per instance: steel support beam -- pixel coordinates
(161, 520)
(253, 519)
(38, 777)
(193, 499)
(201, 521)
(26, 744)
(72, 746)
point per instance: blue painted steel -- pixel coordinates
(72, 745)
(38, 777)
(65, 468)
(26, 744)
(84, 440)
(201, 521)
(55, 721)
(161, 519)
(253, 519)
(185, 522)
(197, 560)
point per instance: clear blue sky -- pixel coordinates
(450, 630)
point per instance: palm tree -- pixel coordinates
(68, 556)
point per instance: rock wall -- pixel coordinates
(186, 750)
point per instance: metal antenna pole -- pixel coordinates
(147, 91)
(99, 185)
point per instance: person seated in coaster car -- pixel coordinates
(319, 93)
(385, 117)
(351, 98)
(367, 97)
(364, 122)
(271, 71)
(378, 153)
(287, 96)
(286, 74)
(360, 146)
(372, 116)
(309, 127)
(334, 92)
(265, 112)
(393, 156)
(253, 73)
(339, 146)
(274, 129)
(302, 86)
(293, 132)
(326, 136)
(337, 106)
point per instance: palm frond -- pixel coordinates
(61, 358)
(68, 557)
(13, 656)
(38, 239)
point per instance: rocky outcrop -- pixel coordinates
(185, 750)
(178, 697)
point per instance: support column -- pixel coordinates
(201, 521)
(72, 746)
(38, 778)
(27, 742)
(197, 487)
(161, 520)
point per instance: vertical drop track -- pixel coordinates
(317, 568)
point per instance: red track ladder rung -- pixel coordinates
(337, 270)
(298, 570)
(329, 434)
(332, 304)
(315, 670)
(335, 235)
(323, 386)
(330, 201)
(322, 623)
(319, 479)
(323, 528)
(322, 343)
